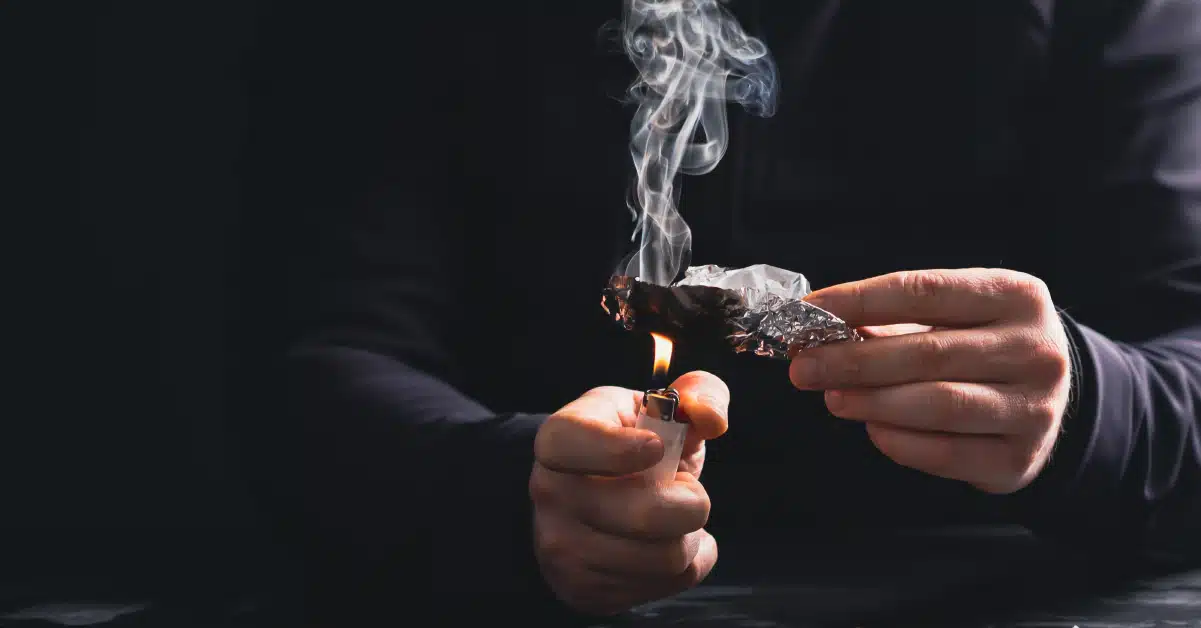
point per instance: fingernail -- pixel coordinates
(804, 371)
(834, 400)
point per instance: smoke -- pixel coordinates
(692, 58)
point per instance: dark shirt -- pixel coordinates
(120, 194)
(420, 211)
(461, 285)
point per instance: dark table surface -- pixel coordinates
(962, 578)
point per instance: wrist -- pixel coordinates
(1077, 494)
(1076, 428)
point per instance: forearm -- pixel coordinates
(406, 474)
(1127, 468)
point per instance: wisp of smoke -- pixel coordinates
(692, 58)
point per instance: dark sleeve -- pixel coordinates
(405, 475)
(1126, 155)
(412, 491)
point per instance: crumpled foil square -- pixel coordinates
(758, 309)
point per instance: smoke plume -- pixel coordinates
(692, 58)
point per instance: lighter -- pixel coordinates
(658, 414)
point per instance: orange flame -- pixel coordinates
(663, 347)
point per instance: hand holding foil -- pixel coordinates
(966, 377)
(607, 536)
(759, 309)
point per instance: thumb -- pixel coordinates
(588, 437)
(705, 402)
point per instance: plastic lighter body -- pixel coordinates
(658, 414)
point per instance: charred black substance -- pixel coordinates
(696, 314)
(759, 310)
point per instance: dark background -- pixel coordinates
(134, 137)
(124, 143)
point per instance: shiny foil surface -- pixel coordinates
(758, 309)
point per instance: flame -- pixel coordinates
(663, 347)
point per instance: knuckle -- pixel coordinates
(601, 400)
(603, 391)
(846, 367)
(1048, 358)
(546, 440)
(930, 352)
(688, 511)
(920, 285)
(1056, 360)
(1027, 290)
(855, 301)
(701, 508)
(959, 400)
(956, 401)
(1022, 458)
(1060, 366)
(541, 488)
(552, 544)
(1043, 416)
(1034, 289)
(678, 558)
(644, 516)
(693, 507)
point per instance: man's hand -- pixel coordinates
(606, 538)
(975, 391)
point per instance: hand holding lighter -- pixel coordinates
(658, 414)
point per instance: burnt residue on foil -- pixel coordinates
(691, 314)
(759, 309)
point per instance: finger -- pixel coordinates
(587, 437)
(628, 507)
(602, 593)
(901, 329)
(641, 590)
(950, 407)
(646, 560)
(583, 589)
(702, 565)
(969, 297)
(588, 591)
(982, 355)
(605, 553)
(986, 462)
(694, 462)
(705, 401)
(606, 400)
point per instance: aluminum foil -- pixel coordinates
(757, 310)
